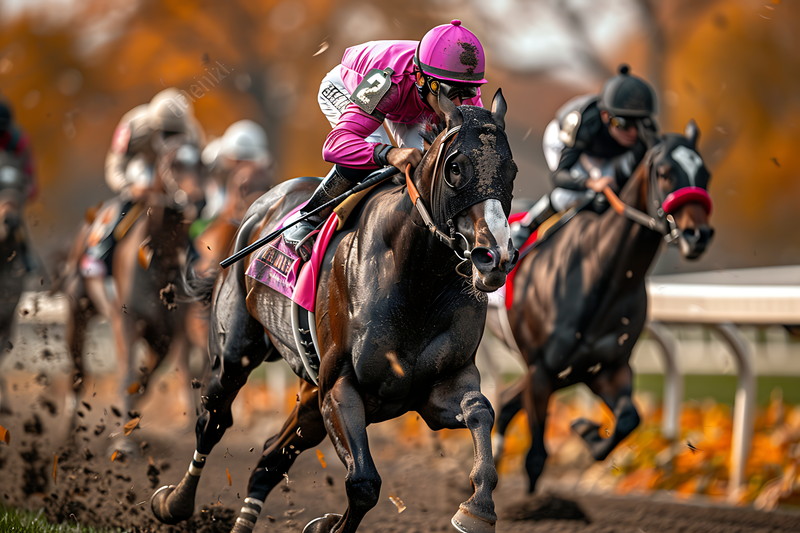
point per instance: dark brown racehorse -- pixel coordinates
(399, 317)
(580, 302)
(12, 266)
(146, 269)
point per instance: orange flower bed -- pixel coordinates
(695, 464)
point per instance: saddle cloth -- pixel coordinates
(279, 267)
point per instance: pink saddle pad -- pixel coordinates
(277, 265)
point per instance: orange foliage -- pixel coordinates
(734, 73)
(697, 463)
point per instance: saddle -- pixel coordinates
(279, 267)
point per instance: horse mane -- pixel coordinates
(429, 130)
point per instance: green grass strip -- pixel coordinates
(19, 521)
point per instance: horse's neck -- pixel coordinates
(166, 230)
(625, 247)
(419, 256)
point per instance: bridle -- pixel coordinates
(455, 238)
(662, 221)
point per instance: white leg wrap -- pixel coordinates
(197, 464)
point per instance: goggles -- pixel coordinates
(451, 90)
(624, 123)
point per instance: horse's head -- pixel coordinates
(179, 175)
(468, 174)
(678, 191)
(12, 194)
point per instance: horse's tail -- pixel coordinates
(198, 287)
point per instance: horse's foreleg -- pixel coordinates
(535, 399)
(80, 312)
(109, 306)
(458, 403)
(242, 348)
(5, 347)
(183, 354)
(345, 420)
(510, 405)
(302, 430)
(615, 389)
(132, 381)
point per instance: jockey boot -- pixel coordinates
(536, 215)
(298, 236)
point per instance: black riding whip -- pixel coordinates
(373, 179)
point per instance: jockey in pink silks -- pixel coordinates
(395, 84)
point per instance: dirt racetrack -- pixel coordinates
(71, 475)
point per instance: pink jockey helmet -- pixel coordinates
(451, 52)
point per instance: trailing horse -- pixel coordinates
(398, 315)
(12, 248)
(579, 302)
(145, 270)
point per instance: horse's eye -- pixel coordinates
(458, 172)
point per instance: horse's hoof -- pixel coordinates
(586, 429)
(323, 524)
(159, 504)
(468, 523)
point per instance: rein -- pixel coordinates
(666, 227)
(413, 193)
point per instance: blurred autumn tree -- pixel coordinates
(71, 69)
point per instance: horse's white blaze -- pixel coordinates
(689, 160)
(496, 221)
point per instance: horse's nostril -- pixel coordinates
(482, 257)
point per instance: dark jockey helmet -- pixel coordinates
(626, 95)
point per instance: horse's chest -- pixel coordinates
(395, 357)
(599, 331)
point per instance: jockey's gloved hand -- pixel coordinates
(600, 202)
(400, 157)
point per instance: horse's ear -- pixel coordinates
(448, 111)
(499, 108)
(692, 132)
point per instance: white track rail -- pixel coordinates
(722, 301)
